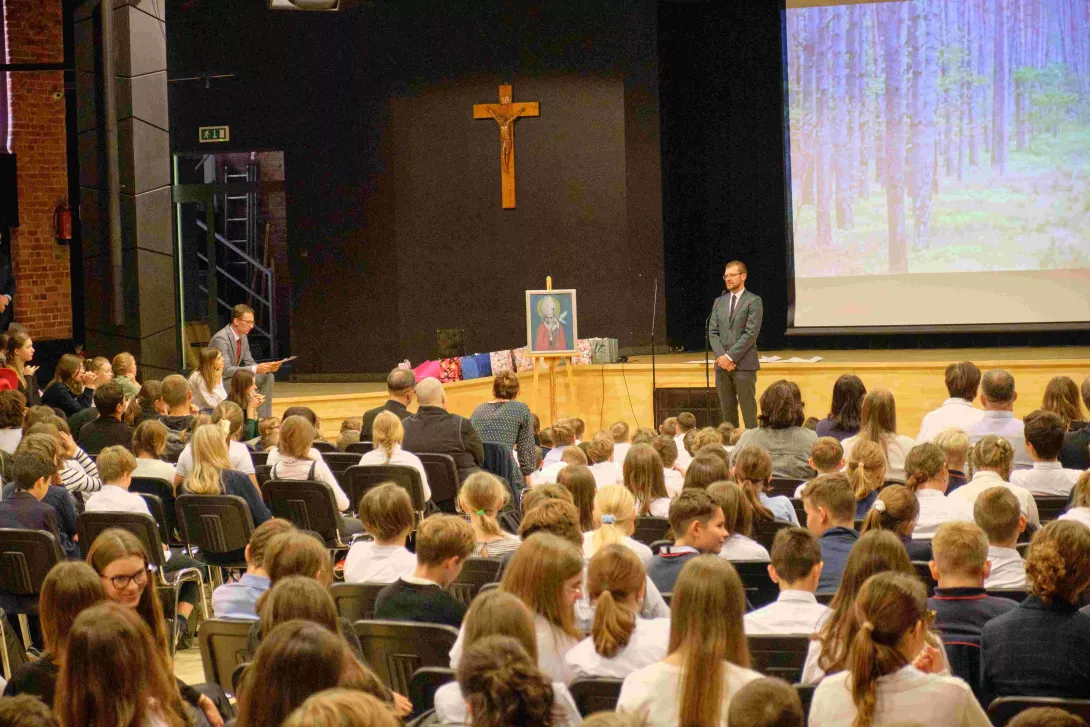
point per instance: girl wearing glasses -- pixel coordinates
(125, 572)
(882, 661)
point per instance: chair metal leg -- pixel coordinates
(4, 643)
(24, 627)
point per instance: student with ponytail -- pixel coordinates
(896, 510)
(753, 471)
(1042, 648)
(503, 687)
(578, 480)
(891, 666)
(929, 477)
(643, 476)
(482, 496)
(614, 521)
(866, 471)
(708, 659)
(620, 641)
(387, 434)
(738, 522)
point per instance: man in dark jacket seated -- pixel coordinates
(107, 430)
(399, 384)
(435, 430)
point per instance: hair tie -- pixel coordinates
(225, 426)
(609, 519)
(867, 626)
(879, 505)
(480, 512)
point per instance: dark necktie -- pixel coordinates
(733, 300)
(238, 351)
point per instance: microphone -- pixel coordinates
(654, 395)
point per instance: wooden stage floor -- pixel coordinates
(605, 394)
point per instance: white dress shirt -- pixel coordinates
(646, 645)
(369, 562)
(660, 507)
(1003, 424)
(930, 699)
(620, 451)
(606, 473)
(897, 448)
(547, 474)
(642, 551)
(450, 705)
(657, 689)
(935, 509)
(1078, 514)
(1008, 569)
(738, 547)
(552, 646)
(1047, 478)
(154, 468)
(237, 452)
(9, 439)
(674, 480)
(793, 613)
(683, 457)
(954, 412)
(984, 480)
(401, 457)
(554, 455)
(112, 498)
(293, 468)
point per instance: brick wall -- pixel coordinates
(43, 288)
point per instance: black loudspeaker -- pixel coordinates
(9, 191)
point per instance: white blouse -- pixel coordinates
(368, 562)
(642, 551)
(237, 452)
(935, 509)
(294, 468)
(739, 547)
(656, 688)
(203, 397)
(552, 646)
(400, 457)
(450, 705)
(646, 645)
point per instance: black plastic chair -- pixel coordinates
(649, 529)
(778, 656)
(658, 545)
(224, 647)
(1004, 709)
(764, 532)
(396, 649)
(158, 514)
(323, 446)
(442, 480)
(356, 601)
(425, 683)
(923, 570)
(476, 572)
(806, 696)
(165, 492)
(800, 510)
(783, 486)
(359, 479)
(825, 598)
(761, 590)
(26, 557)
(1050, 507)
(339, 462)
(488, 587)
(595, 694)
(361, 448)
(259, 459)
(965, 662)
(236, 676)
(309, 505)
(220, 526)
(262, 473)
(667, 597)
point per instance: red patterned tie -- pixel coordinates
(238, 351)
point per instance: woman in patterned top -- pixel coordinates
(508, 422)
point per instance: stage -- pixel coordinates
(608, 393)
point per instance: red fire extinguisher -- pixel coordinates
(62, 223)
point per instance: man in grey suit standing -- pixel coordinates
(233, 342)
(733, 330)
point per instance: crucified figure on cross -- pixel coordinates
(505, 135)
(505, 113)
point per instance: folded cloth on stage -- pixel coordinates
(584, 347)
(523, 362)
(501, 361)
(450, 370)
(484, 365)
(428, 369)
(470, 370)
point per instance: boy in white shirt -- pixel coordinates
(672, 476)
(686, 422)
(998, 514)
(604, 469)
(547, 474)
(1045, 432)
(826, 457)
(619, 432)
(116, 465)
(796, 567)
(387, 514)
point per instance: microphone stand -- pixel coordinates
(654, 394)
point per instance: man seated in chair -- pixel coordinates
(233, 341)
(400, 385)
(107, 429)
(435, 430)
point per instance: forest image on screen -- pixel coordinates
(939, 136)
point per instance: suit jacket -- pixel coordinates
(224, 340)
(96, 435)
(434, 429)
(737, 337)
(1074, 455)
(394, 407)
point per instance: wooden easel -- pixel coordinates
(551, 362)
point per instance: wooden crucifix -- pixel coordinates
(505, 114)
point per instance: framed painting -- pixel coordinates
(551, 322)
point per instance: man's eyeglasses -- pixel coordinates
(245, 322)
(140, 578)
(728, 276)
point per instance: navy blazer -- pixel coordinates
(836, 543)
(961, 613)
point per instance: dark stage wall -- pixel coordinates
(393, 200)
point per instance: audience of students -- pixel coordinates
(896, 510)
(879, 425)
(753, 471)
(796, 568)
(1061, 397)
(997, 394)
(843, 420)
(698, 525)
(614, 523)
(829, 503)
(738, 522)
(997, 513)
(992, 458)
(957, 412)
(481, 497)
(780, 432)
(238, 599)
(1044, 433)
(579, 481)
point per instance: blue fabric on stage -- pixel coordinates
(484, 365)
(470, 370)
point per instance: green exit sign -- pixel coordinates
(215, 133)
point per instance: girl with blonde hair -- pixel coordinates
(614, 521)
(879, 425)
(643, 476)
(620, 642)
(482, 497)
(992, 458)
(212, 473)
(753, 471)
(882, 682)
(228, 416)
(206, 382)
(124, 368)
(866, 471)
(707, 660)
(387, 434)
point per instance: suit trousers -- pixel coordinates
(737, 388)
(264, 387)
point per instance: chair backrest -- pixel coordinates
(262, 473)
(806, 696)
(764, 532)
(442, 480)
(649, 529)
(800, 510)
(217, 524)
(1050, 507)
(356, 601)
(488, 587)
(778, 656)
(658, 545)
(425, 683)
(89, 525)
(1004, 709)
(396, 649)
(359, 479)
(965, 662)
(595, 694)
(338, 462)
(159, 515)
(476, 572)
(783, 486)
(224, 646)
(308, 504)
(165, 492)
(259, 458)
(323, 446)
(361, 448)
(923, 570)
(236, 675)
(1023, 549)
(26, 556)
(761, 590)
